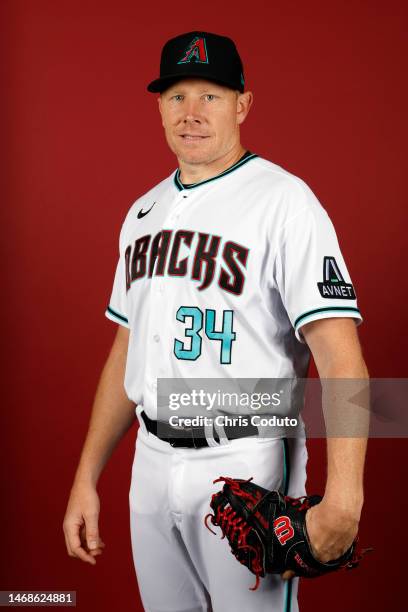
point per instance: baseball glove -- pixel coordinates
(266, 530)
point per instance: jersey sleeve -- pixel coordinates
(312, 276)
(117, 309)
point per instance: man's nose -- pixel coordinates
(192, 119)
(192, 112)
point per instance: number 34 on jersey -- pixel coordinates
(199, 327)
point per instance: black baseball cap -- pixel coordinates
(202, 55)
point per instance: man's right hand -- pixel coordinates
(81, 524)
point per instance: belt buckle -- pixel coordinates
(187, 433)
(184, 433)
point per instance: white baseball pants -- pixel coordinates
(180, 565)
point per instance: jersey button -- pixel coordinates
(156, 337)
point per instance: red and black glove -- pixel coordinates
(267, 530)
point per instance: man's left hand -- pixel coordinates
(331, 532)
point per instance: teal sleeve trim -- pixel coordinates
(117, 315)
(327, 309)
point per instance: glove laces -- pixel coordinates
(236, 528)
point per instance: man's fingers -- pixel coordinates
(74, 546)
(92, 531)
(83, 555)
(288, 575)
(97, 551)
(81, 524)
(68, 546)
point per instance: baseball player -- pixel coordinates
(229, 268)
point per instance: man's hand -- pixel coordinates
(331, 532)
(81, 524)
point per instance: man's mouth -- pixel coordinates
(192, 137)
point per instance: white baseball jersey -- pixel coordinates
(216, 279)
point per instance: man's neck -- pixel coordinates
(195, 173)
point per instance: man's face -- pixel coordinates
(201, 119)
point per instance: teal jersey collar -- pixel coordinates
(247, 156)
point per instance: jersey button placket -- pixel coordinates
(155, 366)
(154, 348)
(151, 353)
(155, 334)
(160, 288)
(180, 203)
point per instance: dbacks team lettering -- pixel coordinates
(161, 255)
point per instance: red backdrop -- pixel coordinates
(81, 141)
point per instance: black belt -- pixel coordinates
(194, 437)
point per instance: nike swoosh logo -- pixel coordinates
(142, 213)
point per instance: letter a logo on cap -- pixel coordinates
(196, 52)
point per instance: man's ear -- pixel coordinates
(159, 102)
(244, 103)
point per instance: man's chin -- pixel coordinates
(194, 157)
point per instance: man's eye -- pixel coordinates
(178, 97)
(210, 97)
